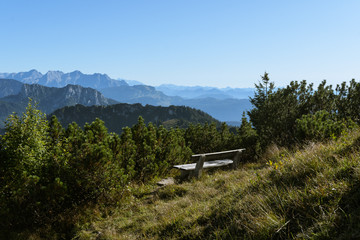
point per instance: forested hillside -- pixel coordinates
(299, 179)
(118, 116)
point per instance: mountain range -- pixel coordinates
(14, 97)
(60, 79)
(74, 103)
(205, 92)
(226, 104)
(140, 94)
(224, 109)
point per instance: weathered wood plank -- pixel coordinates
(210, 164)
(217, 155)
(218, 163)
(186, 167)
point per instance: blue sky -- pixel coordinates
(185, 42)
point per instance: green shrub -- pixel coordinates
(320, 126)
(248, 138)
(157, 150)
(24, 183)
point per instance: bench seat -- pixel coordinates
(209, 164)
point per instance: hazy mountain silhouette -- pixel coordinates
(60, 79)
(205, 92)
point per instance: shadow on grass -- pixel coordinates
(354, 147)
(347, 224)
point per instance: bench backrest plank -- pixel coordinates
(217, 155)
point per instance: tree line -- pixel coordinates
(298, 113)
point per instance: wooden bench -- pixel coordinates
(219, 159)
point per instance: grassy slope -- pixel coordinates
(313, 193)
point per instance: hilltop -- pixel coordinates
(309, 193)
(299, 178)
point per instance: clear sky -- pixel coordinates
(185, 42)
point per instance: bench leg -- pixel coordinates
(199, 166)
(236, 160)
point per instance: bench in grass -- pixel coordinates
(209, 160)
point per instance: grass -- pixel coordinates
(310, 193)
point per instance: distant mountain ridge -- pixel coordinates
(80, 104)
(224, 110)
(60, 79)
(229, 109)
(226, 104)
(132, 82)
(29, 77)
(9, 87)
(102, 81)
(205, 92)
(48, 98)
(139, 94)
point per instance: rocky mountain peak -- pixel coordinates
(61, 79)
